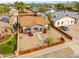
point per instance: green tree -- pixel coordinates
(4, 9)
(59, 6)
(20, 6)
(42, 8)
(77, 6)
(49, 16)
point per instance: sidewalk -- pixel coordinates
(47, 50)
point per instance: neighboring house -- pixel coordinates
(4, 24)
(13, 12)
(64, 18)
(5, 28)
(27, 12)
(41, 14)
(50, 11)
(50, 7)
(64, 21)
(33, 23)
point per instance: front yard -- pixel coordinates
(10, 46)
(39, 39)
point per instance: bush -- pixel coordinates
(48, 40)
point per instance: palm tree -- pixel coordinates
(20, 6)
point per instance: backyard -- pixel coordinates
(10, 46)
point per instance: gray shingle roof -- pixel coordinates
(62, 14)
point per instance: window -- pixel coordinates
(71, 21)
(35, 28)
(62, 22)
(38, 29)
(58, 23)
(27, 29)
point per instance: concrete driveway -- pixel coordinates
(73, 31)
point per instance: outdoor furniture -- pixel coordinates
(30, 33)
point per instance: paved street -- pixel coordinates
(69, 49)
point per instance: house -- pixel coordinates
(50, 11)
(33, 24)
(5, 25)
(64, 18)
(13, 12)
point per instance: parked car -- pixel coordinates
(64, 28)
(30, 34)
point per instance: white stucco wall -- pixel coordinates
(65, 20)
(78, 21)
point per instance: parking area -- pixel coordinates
(73, 31)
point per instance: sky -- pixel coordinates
(28, 1)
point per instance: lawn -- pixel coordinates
(9, 47)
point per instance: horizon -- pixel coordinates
(37, 1)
